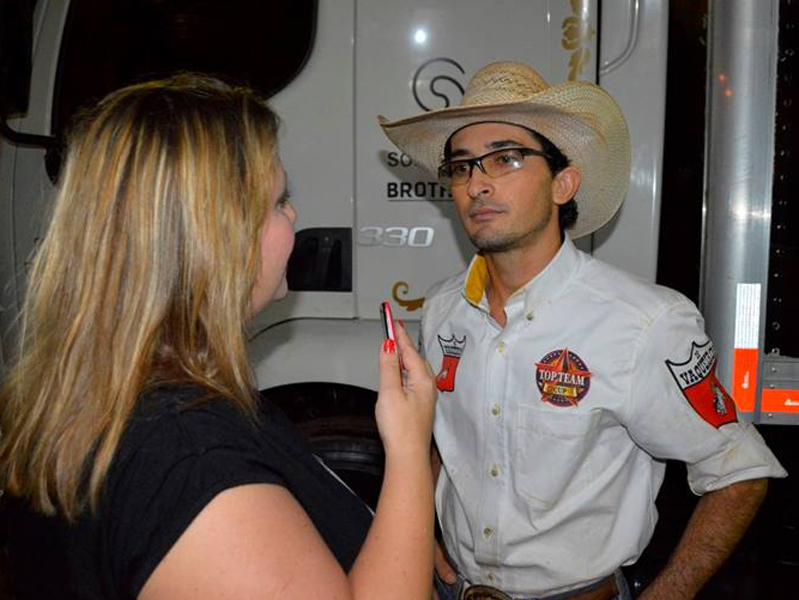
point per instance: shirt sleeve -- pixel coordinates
(182, 463)
(678, 408)
(420, 340)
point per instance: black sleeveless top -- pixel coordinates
(176, 455)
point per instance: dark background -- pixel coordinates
(766, 564)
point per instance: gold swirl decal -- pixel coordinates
(577, 35)
(410, 304)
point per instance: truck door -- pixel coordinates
(417, 56)
(412, 56)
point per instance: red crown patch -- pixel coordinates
(696, 378)
(452, 348)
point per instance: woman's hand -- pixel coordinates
(405, 409)
(396, 561)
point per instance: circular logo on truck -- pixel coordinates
(433, 85)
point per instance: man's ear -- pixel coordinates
(565, 185)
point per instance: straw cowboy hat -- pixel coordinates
(580, 118)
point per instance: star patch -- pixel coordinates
(563, 378)
(696, 378)
(452, 348)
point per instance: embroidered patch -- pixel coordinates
(563, 378)
(452, 348)
(696, 378)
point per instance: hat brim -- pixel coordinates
(580, 118)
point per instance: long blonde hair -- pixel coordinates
(144, 275)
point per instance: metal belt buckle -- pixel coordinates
(484, 592)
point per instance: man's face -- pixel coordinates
(513, 211)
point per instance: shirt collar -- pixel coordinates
(542, 288)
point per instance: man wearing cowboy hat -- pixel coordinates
(565, 382)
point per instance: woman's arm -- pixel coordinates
(256, 541)
(251, 541)
(396, 560)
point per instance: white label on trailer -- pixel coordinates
(747, 315)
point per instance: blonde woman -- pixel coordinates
(136, 459)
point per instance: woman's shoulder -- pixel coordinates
(183, 445)
(191, 432)
(185, 420)
(182, 427)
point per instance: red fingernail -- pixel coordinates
(389, 346)
(401, 322)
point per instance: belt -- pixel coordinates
(605, 589)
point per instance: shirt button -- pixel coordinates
(495, 410)
(494, 471)
(530, 316)
(501, 348)
(491, 577)
(487, 532)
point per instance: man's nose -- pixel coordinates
(479, 183)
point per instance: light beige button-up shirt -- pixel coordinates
(553, 429)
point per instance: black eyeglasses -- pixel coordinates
(494, 164)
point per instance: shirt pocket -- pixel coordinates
(552, 453)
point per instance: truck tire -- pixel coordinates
(338, 422)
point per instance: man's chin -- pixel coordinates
(494, 243)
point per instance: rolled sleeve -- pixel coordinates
(679, 410)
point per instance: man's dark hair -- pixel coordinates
(557, 161)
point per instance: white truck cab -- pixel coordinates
(372, 225)
(399, 59)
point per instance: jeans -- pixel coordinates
(445, 590)
(452, 592)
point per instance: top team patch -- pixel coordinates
(696, 378)
(562, 377)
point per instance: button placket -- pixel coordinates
(488, 515)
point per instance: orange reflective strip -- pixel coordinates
(744, 378)
(779, 401)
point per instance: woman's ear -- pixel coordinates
(565, 185)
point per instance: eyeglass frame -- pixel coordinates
(478, 160)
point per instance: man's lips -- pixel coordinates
(481, 214)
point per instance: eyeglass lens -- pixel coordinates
(494, 164)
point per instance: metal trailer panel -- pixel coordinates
(737, 208)
(780, 399)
